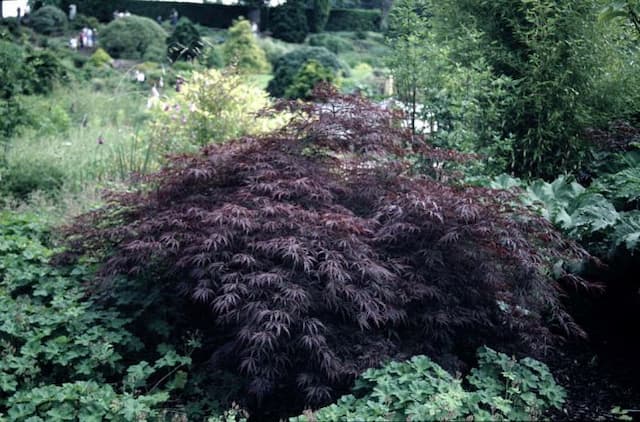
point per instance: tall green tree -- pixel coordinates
(551, 50)
(409, 61)
(288, 22)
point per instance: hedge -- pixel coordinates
(211, 15)
(222, 16)
(353, 20)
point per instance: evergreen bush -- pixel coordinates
(287, 66)
(242, 51)
(49, 20)
(288, 22)
(100, 58)
(134, 37)
(310, 75)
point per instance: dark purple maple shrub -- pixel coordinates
(318, 254)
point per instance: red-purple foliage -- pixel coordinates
(320, 255)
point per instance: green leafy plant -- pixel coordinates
(42, 70)
(501, 388)
(63, 355)
(604, 217)
(629, 9)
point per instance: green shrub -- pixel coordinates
(353, 20)
(9, 27)
(289, 21)
(502, 389)
(47, 118)
(100, 58)
(156, 52)
(333, 43)
(212, 58)
(79, 60)
(185, 42)
(23, 177)
(274, 48)
(241, 49)
(310, 75)
(134, 37)
(11, 58)
(49, 20)
(287, 66)
(318, 19)
(42, 69)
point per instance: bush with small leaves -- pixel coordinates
(11, 60)
(211, 107)
(134, 37)
(311, 254)
(24, 177)
(100, 58)
(49, 20)
(311, 74)
(333, 43)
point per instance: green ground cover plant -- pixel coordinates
(499, 389)
(63, 356)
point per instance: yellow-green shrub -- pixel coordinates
(100, 58)
(242, 50)
(211, 107)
